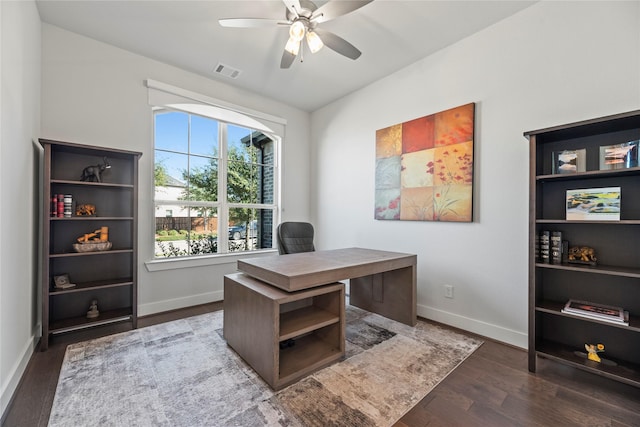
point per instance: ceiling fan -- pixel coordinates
(302, 18)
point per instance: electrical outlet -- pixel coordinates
(448, 291)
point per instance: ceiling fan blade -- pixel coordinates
(293, 6)
(287, 59)
(338, 44)
(334, 9)
(251, 22)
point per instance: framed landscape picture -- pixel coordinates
(594, 204)
(569, 161)
(619, 156)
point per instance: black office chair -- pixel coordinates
(294, 237)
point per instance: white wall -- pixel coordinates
(19, 126)
(93, 93)
(552, 63)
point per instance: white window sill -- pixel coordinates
(204, 260)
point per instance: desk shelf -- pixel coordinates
(310, 353)
(305, 320)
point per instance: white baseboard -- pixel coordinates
(176, 303)
(488, 330)
(17, 370)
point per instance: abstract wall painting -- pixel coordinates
(424, 168)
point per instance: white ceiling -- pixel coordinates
(390, 33)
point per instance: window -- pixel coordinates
(215, 186)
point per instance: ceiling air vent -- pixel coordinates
(227, 71)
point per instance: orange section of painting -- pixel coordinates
(452, 203)
(418, 134)
(389, 141)
(453, 164)
(417, 204)
(454, 126)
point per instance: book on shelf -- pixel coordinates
(545, 248)
(565, 252)
(595, 311)
(54, 205)
(67, 203)
(556, 247)
(60, 206)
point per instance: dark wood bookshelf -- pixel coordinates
(108, 276)
(614, 280)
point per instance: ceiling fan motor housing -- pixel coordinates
(307, 9)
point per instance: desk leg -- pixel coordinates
(391, 294)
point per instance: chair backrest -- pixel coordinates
(294, 237)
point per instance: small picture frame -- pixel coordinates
(569, 161)
(593, 204)
(619, 156)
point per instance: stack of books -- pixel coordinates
(605, 313)
(61, 205)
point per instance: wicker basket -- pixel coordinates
(92, 246)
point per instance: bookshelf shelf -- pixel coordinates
(614, 280)
(624, 371)
(595, 269)
(79, 322)
(555, 308)
(90, 184)
(101, 284)
(93, 218)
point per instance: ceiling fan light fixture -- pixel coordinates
(314, 42)
(292, 46)
(296, 31)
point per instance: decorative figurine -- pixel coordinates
(93, 242)
(101, 235)
(582, 255)
(85, 210)
(593, 350)
(93, 310)
(94, 173)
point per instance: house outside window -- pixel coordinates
(215, 185)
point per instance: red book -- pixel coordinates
(60, 209)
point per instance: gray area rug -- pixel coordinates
(182, 373)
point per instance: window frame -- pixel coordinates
(222, 205)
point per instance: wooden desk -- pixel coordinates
(381, 282)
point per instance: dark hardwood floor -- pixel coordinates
(491, 388)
